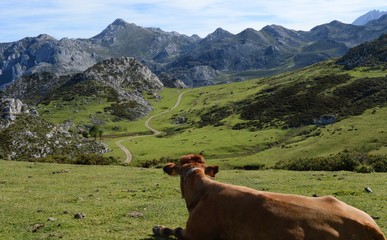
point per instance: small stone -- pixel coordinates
(51, 219)
(79, 216)
(36, 227)
(136, 214)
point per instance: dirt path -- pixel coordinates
(147, 125)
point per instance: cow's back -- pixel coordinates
(234, 212)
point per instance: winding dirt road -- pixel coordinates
(147, 125)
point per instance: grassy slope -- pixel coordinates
(107, 195)
(233, 147)
(242, 147)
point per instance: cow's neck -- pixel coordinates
(192, 187)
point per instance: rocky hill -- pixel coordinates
(121, 83)
(190, 60)
(25, 136)
(122, 80)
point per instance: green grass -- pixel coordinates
(364, 133)
(230, 147)
(30, 194)
(77, 110)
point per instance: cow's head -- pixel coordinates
(188, 164)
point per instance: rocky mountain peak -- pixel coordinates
(218, 34)
(371, 15)
(45, 37)
(119, 22)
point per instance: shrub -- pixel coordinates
(344, 161)
(156, 162)
(95, 159)
(251, 167)
(363, 168)
(82, 159)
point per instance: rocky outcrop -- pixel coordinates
(24, 135)
(10, 108)
(31, 137)
(123, 73)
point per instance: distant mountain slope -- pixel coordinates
(371, 15)
(180, 58)
(297, 101)
(368, 54)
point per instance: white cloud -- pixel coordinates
(86, 18)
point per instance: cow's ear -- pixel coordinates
(211, 170)
(171, 169)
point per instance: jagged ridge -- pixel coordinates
(179, 57)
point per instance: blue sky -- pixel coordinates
(87, 18)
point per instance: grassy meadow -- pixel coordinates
(39, 201)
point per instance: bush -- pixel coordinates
(363, 168)
(344, 161)
(95, 159)
(82, 159)
(251, 167)
(156, 162)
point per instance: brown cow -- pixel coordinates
(223, 211)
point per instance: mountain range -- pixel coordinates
(188, 61)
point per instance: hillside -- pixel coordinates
(111, 91)
(219, 57)
(318, 113)
(208, 120)
(369, 54)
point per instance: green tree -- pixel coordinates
(94, 132)
(100, 132)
